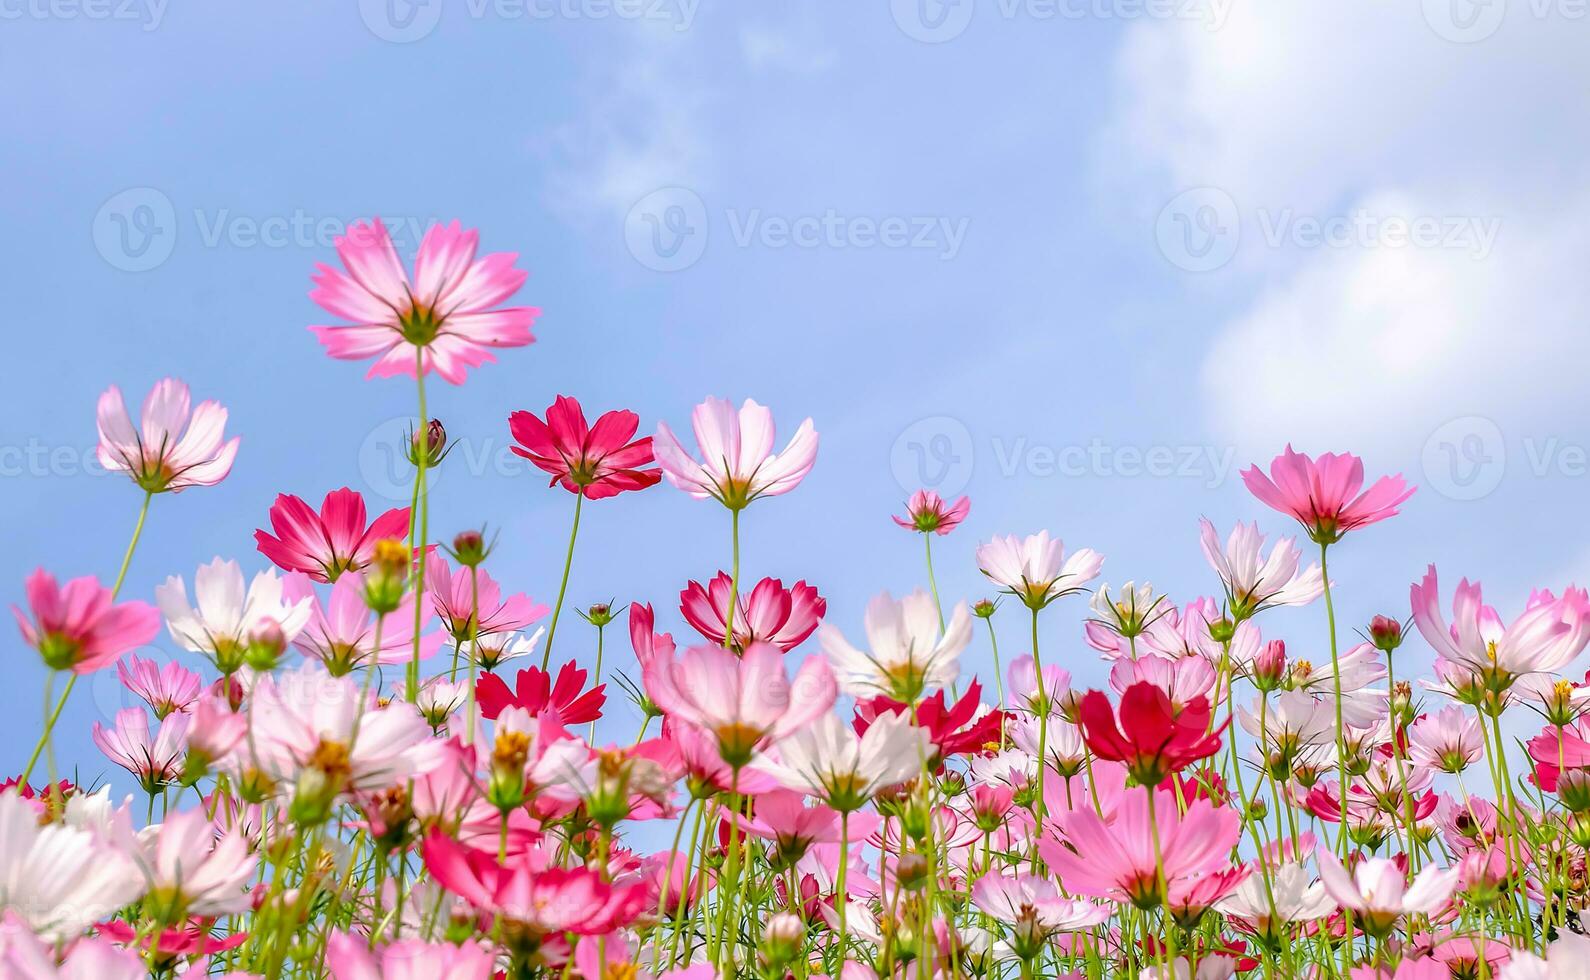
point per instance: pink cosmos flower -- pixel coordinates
(440, 320)
(1116, 860)
(927, 512)
(1034, 908)
(738, 464)
(1378, 892)
(769, 613)
(455, 599)
(80, 627)
(1254, 582)
(26, 957)
(1182, 680)
(648, 645)
(350, 958)
(192, 867)
(214, 729)
(324, 545)
(1323, 494)
(172, 687)
(744, 700)
(59, 879)
(1448, 740)
(174, 448)
(531, 895)
(1549, 633)
(154, 758)
(341, 630)
(597, 461)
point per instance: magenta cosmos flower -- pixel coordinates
(324, 545)
(79, 627)
(174, 447)
(927, 512)
(769, 613)
(597, 461)
(440, 320)
(737, 462)
(1323, 494)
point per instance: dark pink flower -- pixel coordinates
(600, 460)
(769, 613)
(927, 512)
(335, 540)
(1323, 494)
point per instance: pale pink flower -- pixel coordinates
(341, 631)
(828, 760)
(192, 867)
(439, 320)
(1252, 581)
(1323, 494)
(1181, 680)
(743, 701)
(909, 653)
(1034, 909)
(737, 462)
(154, 758)
(225, 615)
(927, 512)
(1378, 893)
(1449, 740)
(350, 958)
(1116, 859)
(455, 598)
(1036, 568)
(1296, 895)
(175, 447)
(61, 878)
(165, 689)
(323, 545)
(1022, 690)
(214, 729)
(80, 627)
(1545, 637)
(767, 613)
(24, 956)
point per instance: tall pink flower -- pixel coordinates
(155, 758)
(1378, 892)
(743, 700)
(1323, 494)
(769, 613)
(165, 689)
(1545, 637)
(175, 446)
(1116, 859)
(737, 462)
(324, 545)
(341, 632)
(79, 627)
(442, 319)
(598, 461)
(455, 598)
(927, 512)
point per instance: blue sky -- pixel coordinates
(1082, 260)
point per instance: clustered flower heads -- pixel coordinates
(369, 763)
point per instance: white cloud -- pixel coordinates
(1312, 111)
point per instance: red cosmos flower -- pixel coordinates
(325, 545)
(534, 691)
(192, 939)
(1152, 739)
(953, 729)
(597, 461)
(769, 613)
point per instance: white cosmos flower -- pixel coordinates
(909, 654)
(1297, 897)
(226, 614)
(1035, 568)
(60, 879)
(828, 760)
(193, 869)
(1254, 581)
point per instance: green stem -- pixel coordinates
(734, 583)
(1043, 742)
(927, 540)
(138, 531)
(563, 587)
(419, 511)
